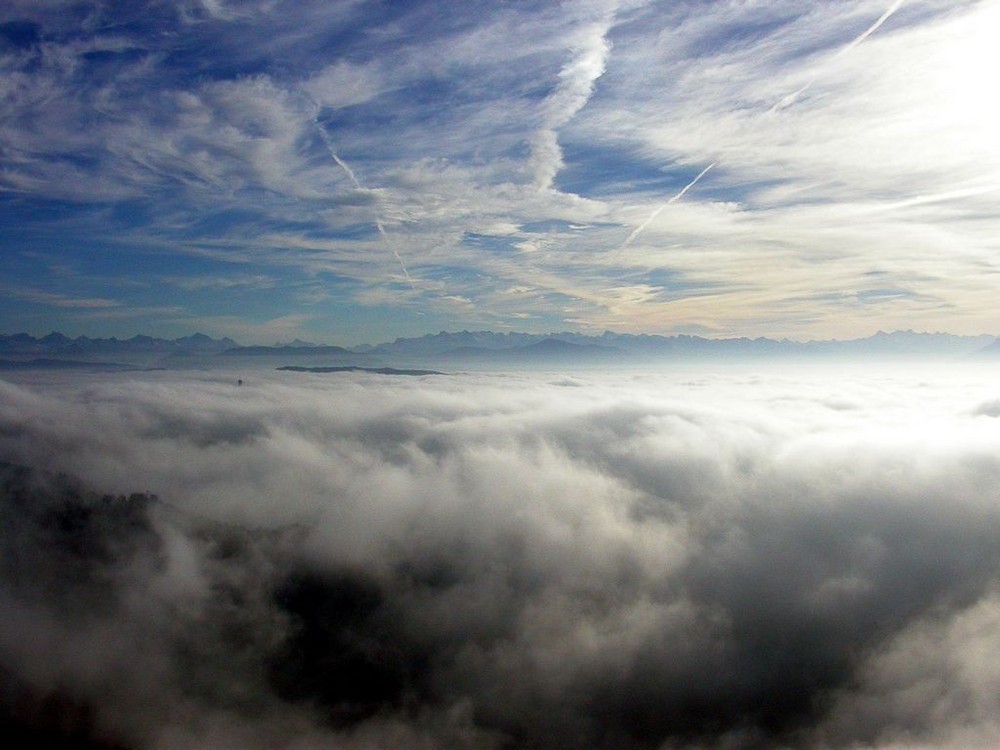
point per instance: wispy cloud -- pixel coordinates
(574, 87)
(378, 221)
(451, 124)
(788, 100)
(673, 199)
(195, 283)
(62, 300)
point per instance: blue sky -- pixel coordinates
(357, 171)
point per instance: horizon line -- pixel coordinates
(550, 334)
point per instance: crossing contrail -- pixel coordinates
(873, 28)
(357, 183)
(638, 230)
(789, 99)
(785, 101)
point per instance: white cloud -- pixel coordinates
(61, 300)
(343, 84)
(572, 91)
(640, 560)
(885, 163)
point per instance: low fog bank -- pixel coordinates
(357, 561)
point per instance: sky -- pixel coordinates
(694, 560)
(351, 172)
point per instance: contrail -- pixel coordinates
(638, 230)
(574, 89)
(350, 173)
(784, 102)
(873, 28)
(790, 98)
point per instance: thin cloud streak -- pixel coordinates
(785, 102)
(791, 98)
(676, 197)
(378, 222)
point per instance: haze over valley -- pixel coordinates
(704, 558)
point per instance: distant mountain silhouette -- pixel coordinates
(483, 349)
(989, 352)
(298, 343)
(56, 343)
(287, 351)
(547, 350)
(558, 347)
(374, 370)
(909, 344)
(48, 363)
(486, 346)
(203, 344)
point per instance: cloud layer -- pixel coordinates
(644, 561)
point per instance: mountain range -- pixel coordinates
(486, 349)
(59, 344)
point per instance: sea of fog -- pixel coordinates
(690, 558)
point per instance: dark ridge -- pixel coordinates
(45, 363)
(65, 546)
(345, 656)
(375, 370)
(64, 549)
(286, 351)
(989, 352)
(48, 720)
(521, 348)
